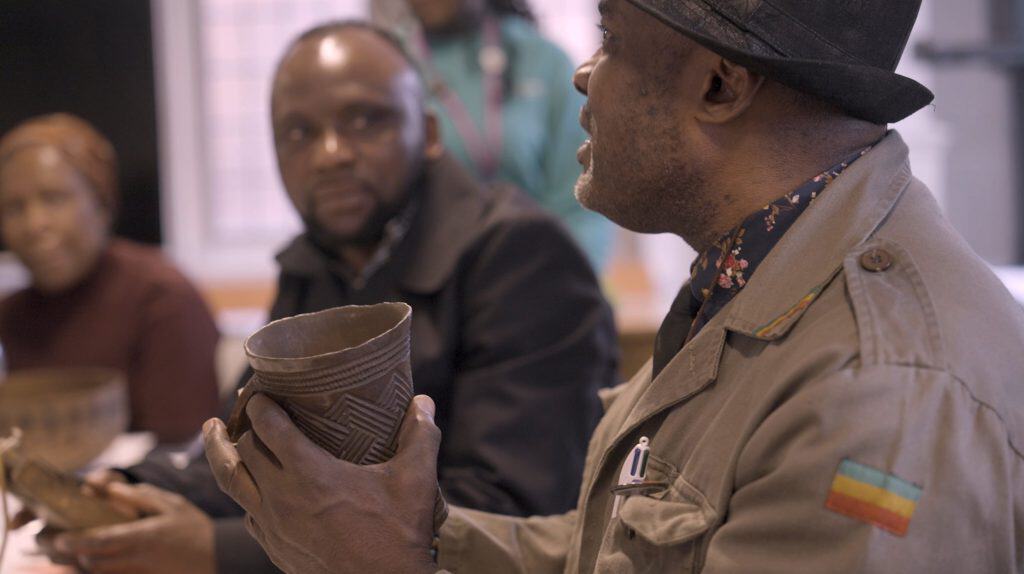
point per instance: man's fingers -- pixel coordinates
(142, 498)
(254, 530)
(277, 431)
(102, 541)
(96, 484)
(113, 564)
(419, 438)
(229, 470)
(262, 463)
(98, 480)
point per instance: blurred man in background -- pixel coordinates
(510, 334)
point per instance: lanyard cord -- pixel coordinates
(485, 148)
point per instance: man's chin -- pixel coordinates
(604, 202)
(336, 234)
(590, 195)
(584, 189)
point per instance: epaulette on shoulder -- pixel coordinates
(896, 319)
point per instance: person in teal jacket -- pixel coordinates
(506, 108)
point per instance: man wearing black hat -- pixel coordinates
(835, 390)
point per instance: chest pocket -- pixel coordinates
(663, 531)
(663, 522)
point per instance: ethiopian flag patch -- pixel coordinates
(867, 494)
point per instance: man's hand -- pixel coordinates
(100, 479)
(314, 513)
(173, 537)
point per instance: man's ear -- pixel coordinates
(728, 91)
(433, 147)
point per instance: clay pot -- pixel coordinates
(67, 416)
(342, 375)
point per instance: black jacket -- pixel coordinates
(511, 337)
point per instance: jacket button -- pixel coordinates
(876, 260)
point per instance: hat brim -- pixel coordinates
(866, 92)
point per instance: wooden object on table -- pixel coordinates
(67, 416)
(59, 498)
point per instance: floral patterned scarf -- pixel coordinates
(724, 268)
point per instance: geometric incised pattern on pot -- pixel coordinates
(354, 373)
(357, 428)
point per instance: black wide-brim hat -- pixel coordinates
(842, 51)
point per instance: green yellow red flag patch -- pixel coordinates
(868, 494)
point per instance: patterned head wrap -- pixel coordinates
(78, 142)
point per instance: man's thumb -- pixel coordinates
(419, 438)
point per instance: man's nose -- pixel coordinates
(582, 76)
(333, 150)
(37, 217)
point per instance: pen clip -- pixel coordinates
(643, 488)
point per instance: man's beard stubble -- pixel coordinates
(670, 197)
(371, 233)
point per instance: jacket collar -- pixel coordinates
(811, 253)
(803, 262)
(448, 222)
(445, 223)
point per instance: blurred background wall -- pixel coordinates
(93, 59)
(182, 88)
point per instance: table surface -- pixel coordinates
(23, 556)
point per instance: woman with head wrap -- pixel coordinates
(96, 301)
(507, 108)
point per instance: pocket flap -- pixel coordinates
(663, 522)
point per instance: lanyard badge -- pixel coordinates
(634, 471)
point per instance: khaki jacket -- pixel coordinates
(871, 333)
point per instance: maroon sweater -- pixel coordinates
(135, 313)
